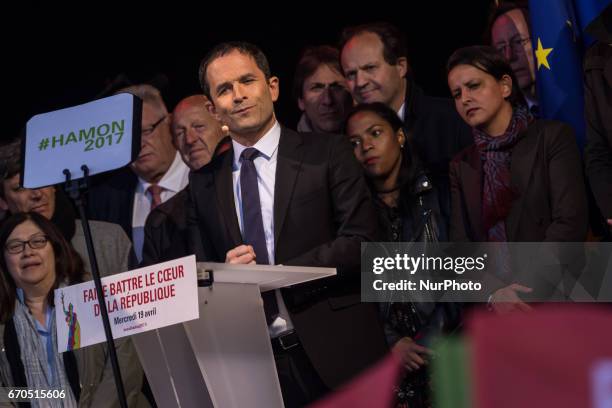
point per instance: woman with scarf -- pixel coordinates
(522, 179)
(408, 211)
(35, 259)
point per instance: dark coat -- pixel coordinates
(547, 175)
(111, 198)
(598, 115)
(166, 236)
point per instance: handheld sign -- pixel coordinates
(137, 301)
(103, 134)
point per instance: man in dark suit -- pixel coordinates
(375, 63)
(280, 197)
(196, 134)
(127, 196)
(598, 104)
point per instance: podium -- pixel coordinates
(223, 359)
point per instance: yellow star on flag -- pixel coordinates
(541, 53)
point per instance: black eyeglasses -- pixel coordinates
(148, 131)
(17, 246)
(516, 45)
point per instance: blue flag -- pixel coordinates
(557, 31)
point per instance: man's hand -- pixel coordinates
(242, 254)
(412, 355)
(610, 222)
(506, 299)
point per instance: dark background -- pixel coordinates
(67, 61)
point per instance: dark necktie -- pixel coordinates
(254, 234)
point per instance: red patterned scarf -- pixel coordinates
(497, 193)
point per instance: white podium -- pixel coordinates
(224, 359)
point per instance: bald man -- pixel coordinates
(196, 135)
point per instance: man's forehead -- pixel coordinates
(365, 42)
(518, 18)
(190, 110)
(509, 25)
(325, 73)
(191, 113)
(151, 111)
(232, 66)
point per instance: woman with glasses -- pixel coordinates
(522, 179)
(35, 260)
(408, 211)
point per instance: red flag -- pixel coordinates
(556, 356)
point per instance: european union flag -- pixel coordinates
(559, 43)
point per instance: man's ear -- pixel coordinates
(213, 111)
(402, 66)
(301, 104)
(273, 84)
(208, 105)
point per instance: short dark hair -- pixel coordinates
(394, 42)
(68, 264)
(226, 48)
(10, 162)
(310, 60)
(502, 8)
(489, 60)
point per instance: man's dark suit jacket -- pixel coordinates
(111, 198)
(322, 213)
(166, 236)
(439, 133)
(598, 115)
(547, 176)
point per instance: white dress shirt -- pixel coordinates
(402, 112)
(265, 164)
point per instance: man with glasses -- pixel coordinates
(510, 34)
(127, 197)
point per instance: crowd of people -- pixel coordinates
(372, 158)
